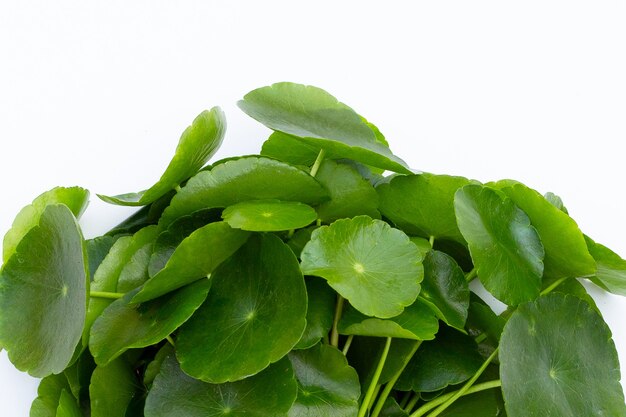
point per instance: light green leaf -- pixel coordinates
(558, 352)
(318, 119)
(375, 267)
(320, 312)
(611, 268)
(48, 395)
(112, 388)
(43, 294)
(254, 314)
(75, 198)
(267, 394)
(196, 257)
(290, 149)
(505, 247)
(327, 385)
(97, 250)
(243, 179)
(269, 215)
(196, 146)
(68, 407)
(556, 201)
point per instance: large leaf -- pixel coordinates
(505, 247)
(423, 204)
(558, 352)
(43, 294)
(253, 316)
(566, 253)
(267, 394)
(318, 119)
(327, 385)
(124, 325)
(377, 268)
(269, 215)
(243, 179)
(112, 388)
(611, 268)
(196, 146)
(196, 257)
(320, 312)
(75, 198)
(445, 289)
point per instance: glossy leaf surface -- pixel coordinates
(112, 388)
(611, 268)
(505, 247)
(269, 215)
(377, 268)
(254, 314)
(197, 145)
(320, 312)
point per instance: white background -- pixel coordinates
(97, 94)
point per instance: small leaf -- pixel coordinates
(611, 268)
(243, 179)
(558, 352)
(375, 267)
(43, 294)
(327, 385)
(316, 118)
(48, 395)
(75, 198)
(482, 319)
(506, 249)
(196, 146)
(253, 316)
(320, 312)
(269, 215)
(146, 216)
(154, 367)
(392, 409)
(556, 201)
(290, 149)
(97, 250)
(267, 394)
(112, 389)
(196, 257)
(68, 407)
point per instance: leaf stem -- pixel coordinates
(170, 340)
(372, 387)
(471, 275)
(552, 286)
(409, 407)
(383, 396)
(405, 399)
(440, 400)
(318, 162)
(431, 240)
(346, 346)
(458, 394)
(107, 295)
(177, 188)
(334, 334)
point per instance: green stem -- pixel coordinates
(334, 334)
(471, 275)
(464, 389)
(405, 399)
(437, 401)
(318, 222)
(177, 188)
(480, 338)
(376, 391)
(432, 241)
(318, 162)
(372, 388)
(170, 340)
(552, 286)
(107, 295)
(346, 347)
(409, 407)
(392, 381)
(291, 233)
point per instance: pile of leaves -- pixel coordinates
(304, 282)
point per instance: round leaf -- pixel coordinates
(506, 249)
(320, 312)
(327, 385)
(48, 395)
(269, 215)
(558, 352)
(267, 394)
(253, 316)
(112, 388)
(43, 294)
(377, 268)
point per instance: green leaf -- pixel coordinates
(320, 312)
(300, 238)
(416, 322)
(146, 216)
(375, 267)
(68, 407)
(135, 272)
(556, 201)
(327, 385)
(75, 198)
(444, 289)
(573, 287)
(450, 359)
(79, 374)
(43, 294)
(48, 395)
(253, 316)
(267, 394)
(154, 367)
(558, 352)
(505, 247)
(392, 409)
(566, 253)
(123, 325)
(423, 204)
(196, 257)
(112, 388)
(487, 403)
(290, 149)
(482, 319)
(350, 194)
(611, 268)
(269, 215)
(196, 146)
(243, 179)
(97, 250)
(318, 119)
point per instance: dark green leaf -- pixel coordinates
(611, 268)
(558, 359)
(154, 367)
(97, 250)
(112, 388)
(482, 319)
(392, 409)
(253, 316)
(487, 403)
(319, 316)
(146, 216)
(135, 272)
(196, 146)
(269, 215)
(299, 239)
(375, 267)
(48, 394)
